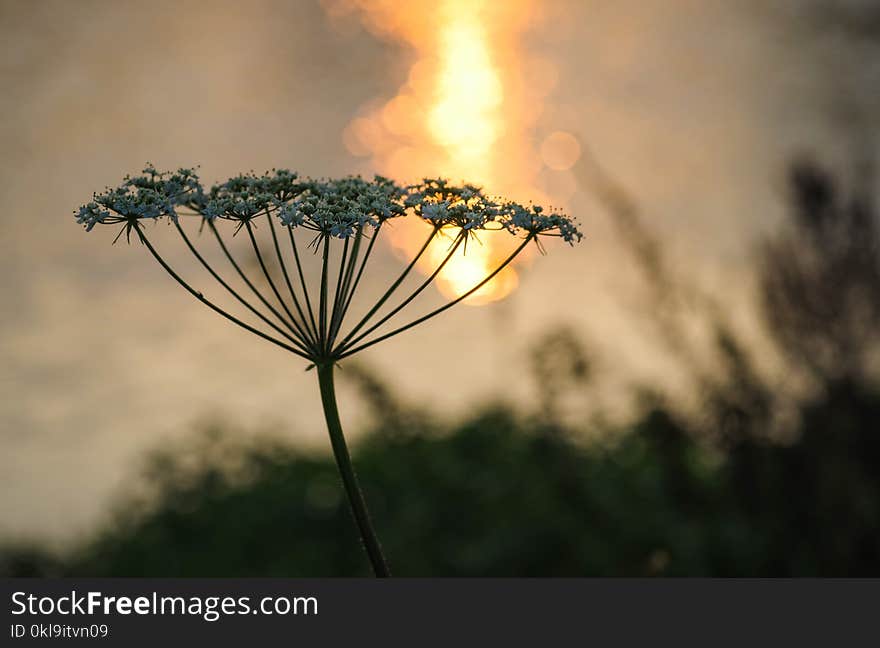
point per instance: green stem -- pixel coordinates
(346, 470)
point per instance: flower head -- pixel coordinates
(150, 196)
(240, 198)
(466, 207)
(535, 222)
(310, 323)
(337, 208)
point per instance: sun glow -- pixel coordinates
(465, 118)
(463, 114)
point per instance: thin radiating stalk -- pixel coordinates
(283, 265)
(302, 281)
(416, 293)
(334, 311)
(322, 308)
(195, 293)
(272, 285)
(247, 281)
(442, 308)
(360, 273)
(391, 290)
(302, 344)
(346, 471)
(338, 311)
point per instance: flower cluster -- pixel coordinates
(443, 204)
(534, 221)
(469, 209)
(338, 208)
(243, 196)
(149, 196)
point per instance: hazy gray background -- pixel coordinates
(694, 106)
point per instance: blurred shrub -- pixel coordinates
(500, 496)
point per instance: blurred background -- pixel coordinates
(693, 390)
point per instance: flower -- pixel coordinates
(336, 208)
(535, 222)
(90, 215)
(436, 213)
(291, 215)
(146, 197)
(310, 321)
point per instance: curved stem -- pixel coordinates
(346, 470)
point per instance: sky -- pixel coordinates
(694, 107)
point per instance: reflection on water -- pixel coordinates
(103, 357)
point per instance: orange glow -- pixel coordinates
(463, 113)
(464, 118)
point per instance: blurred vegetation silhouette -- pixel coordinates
(734, 489)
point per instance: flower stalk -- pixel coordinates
(346, 470)
(310, 321)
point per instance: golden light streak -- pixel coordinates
(465, 118)
(463, 113)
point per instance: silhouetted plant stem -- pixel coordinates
(302, 280)
(346, 470)
(456, 242)
(504, 264)
(338, 310)
(195, 293)
(246, 280)
(322, 308)
(234, 293)
(299, 327)
(357, 279)
(334, 310)
(283, 267)
(391, 290)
